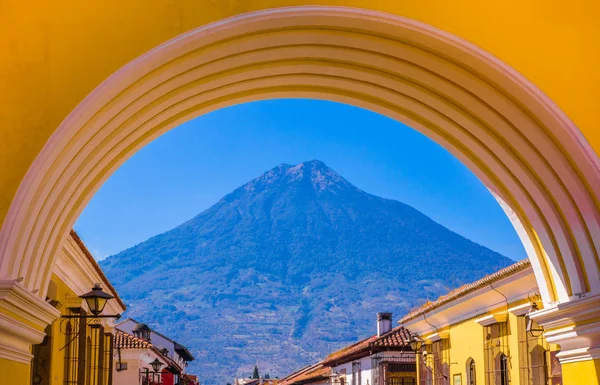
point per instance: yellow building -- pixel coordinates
(478, 334)
(509, 87)
(74, 351)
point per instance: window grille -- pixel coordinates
(496, 354)
(534, 357)
(95, 355)
(425, 364)
(394, 370)
(401, 381)
(441, 362)
(75, 349)
(108, 359)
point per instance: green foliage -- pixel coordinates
(255, 374)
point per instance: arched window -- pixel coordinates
(503, 372)
(471, 377)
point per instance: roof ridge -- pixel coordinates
(466, 289)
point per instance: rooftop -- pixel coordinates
(127, 341)
(92, 260)
(466, 289)
(306, 375)
(182, 350)
(397, 339)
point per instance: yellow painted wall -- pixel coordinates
(582, 373)
(466, 341)
(58, 338)
(14, 373)
(53, 53)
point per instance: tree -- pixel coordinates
(255, 374)
(267, 376)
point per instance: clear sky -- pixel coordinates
(191, 167)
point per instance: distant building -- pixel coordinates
(383, 359)
(175, 355)
(256, 381)
(132, 361)
(316, 374)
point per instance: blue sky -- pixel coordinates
(191, 167)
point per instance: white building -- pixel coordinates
(176, 356)
(383, 359)
(132, 361)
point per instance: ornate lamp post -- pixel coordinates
(96, 301)
(415, 343)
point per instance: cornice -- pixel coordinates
(16, 339)
(75, 270)
(492, 319)
(520, 310)
(575, 326)
(15, 299)
(449, 311)
(439, 336)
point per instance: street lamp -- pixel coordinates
(415, 343)
(156, 365)
(530, 326)
(96, 301)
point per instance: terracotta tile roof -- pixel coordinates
(92, 260)
(124, 340)
(182, 350)
(306, 375)
(466, 289)
(397, 338)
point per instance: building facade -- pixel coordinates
(383, 359)
(481, 334)
(175, 355)
(75, 350)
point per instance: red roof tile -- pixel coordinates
(397, 338)
(307, 375)
(127, 341)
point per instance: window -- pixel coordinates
(75, 349)
(497, 361)
(401, 381)
(502, 374)
(356, 373)
(471, 376)
(534, 356)
(441, 362)
(425, 365)
(42, 354)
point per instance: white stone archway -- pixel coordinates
(499, 124)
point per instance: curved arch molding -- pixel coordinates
(516, 140)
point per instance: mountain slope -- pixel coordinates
(288, 267)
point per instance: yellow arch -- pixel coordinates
(514, 137)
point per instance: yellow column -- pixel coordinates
(23, 318)
(14, 373)
(582, 373)
(575, 327)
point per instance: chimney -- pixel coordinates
(384, 323)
